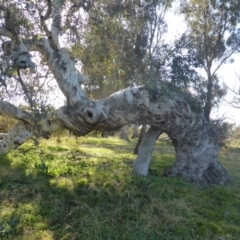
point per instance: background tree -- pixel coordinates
(120, 38)
(213, 30)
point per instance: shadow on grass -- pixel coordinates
(36, 206)
(86, 199)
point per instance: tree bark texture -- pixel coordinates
(197, 154)
(142, 163)
(209, 98)
(140, 138)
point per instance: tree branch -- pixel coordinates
(3, 8)
(5, 32)
(10, 110)
(26, 92)
(56, 21)
(61, 64)
(224, 59)
(49, 11)
(26, 127)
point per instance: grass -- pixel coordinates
(83, 189)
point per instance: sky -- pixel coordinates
(227, 73)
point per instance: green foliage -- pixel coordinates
(118, 42)
(212, 26)
(223, 131)
(234, 136)
(6, 123)
(41, 167)
(214, 35)
(88, 192)
(183, 62)
(17, 17)
(22, 19)
(169, 90)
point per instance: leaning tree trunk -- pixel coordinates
(140, 138)
(194, 140)
(142, 163)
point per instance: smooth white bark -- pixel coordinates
(142, 163)
(16, 136)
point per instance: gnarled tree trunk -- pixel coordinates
(197, 154)
(194, 140)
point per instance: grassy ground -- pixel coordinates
(83, 189)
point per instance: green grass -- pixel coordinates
(83, 189)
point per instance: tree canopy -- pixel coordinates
(214, 34)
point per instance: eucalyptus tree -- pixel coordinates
(121, 38)
(214, 33)
(50, 29)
